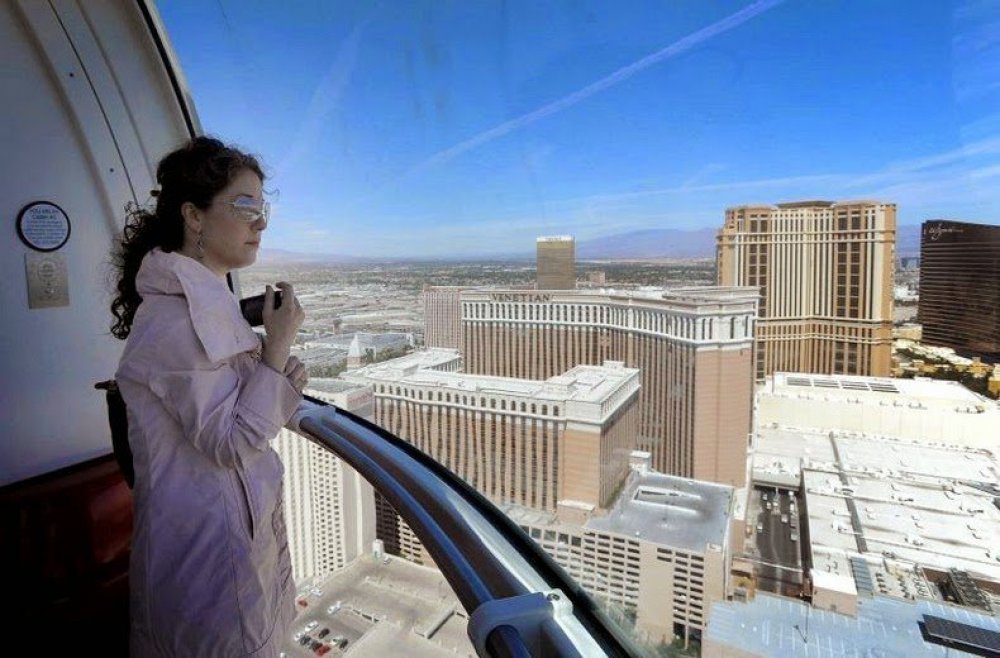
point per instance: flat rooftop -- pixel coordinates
(583, 383)
(661, 509)
(877, 390)
(670, 510)
(426, 359)
(783, 451)
(331, 385)
(919, 503)
(391, 607)
(777, 626)
(934, 525)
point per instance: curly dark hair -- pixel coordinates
(195, 172)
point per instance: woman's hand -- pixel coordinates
(281, 325)
(295, 370)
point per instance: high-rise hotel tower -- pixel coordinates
(824, 270)
(692, 346)
(329, 507)
(960, 287)
(556, 263)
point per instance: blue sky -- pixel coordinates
(451, 127)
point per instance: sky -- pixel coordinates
(436, 128)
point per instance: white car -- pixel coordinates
(311, 625)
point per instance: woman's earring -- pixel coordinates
(201, 247)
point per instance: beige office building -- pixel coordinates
(692, 346)
(531, 443)
(442, 316)
(824, 270)
(329, 507)
(556, 263)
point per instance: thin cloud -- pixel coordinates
(622, 74)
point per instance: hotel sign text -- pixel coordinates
(519, 297)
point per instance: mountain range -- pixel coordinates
(643, 244)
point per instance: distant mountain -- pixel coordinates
(284, 256)
(650, 243)
(647, 243)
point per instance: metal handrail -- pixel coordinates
(490, 563)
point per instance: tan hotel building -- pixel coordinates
(530, 443)
(662, 553)
(442, 319)
(692, 346)
(555, 263)
(824, 270)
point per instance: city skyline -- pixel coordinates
(424, 130)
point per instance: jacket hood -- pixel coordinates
(214, 310)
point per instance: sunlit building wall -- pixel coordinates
(442, 316)
(329, 507)
(532, 443)
(556, 263)
(692, 346)
(824, 271)
(959, 303)
(660, 555)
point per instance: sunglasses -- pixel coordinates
(249, 209)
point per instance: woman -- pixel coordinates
(210, 573)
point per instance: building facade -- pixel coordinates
(329, 507)
(556, 263)
(825, 274)
(692, 346)
(442, 316)
(530, 443)
(661, 554)
(959, 303)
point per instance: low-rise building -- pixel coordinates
(885, 515)
(919, 409)
(660, 554)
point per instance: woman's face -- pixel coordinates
(230, 230)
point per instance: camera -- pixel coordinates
(253, 308)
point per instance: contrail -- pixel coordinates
(621, 74)
(324, 100)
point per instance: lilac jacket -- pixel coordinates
(210, 573)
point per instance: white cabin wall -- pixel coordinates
(89, 109)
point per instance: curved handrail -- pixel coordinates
(484, 556)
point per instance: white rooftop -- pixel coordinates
(583, 383)
(874, 390)
(692, 515)
(915, 502)
(670, 510)
(430, 358)
(940, 526)
(785, 628)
